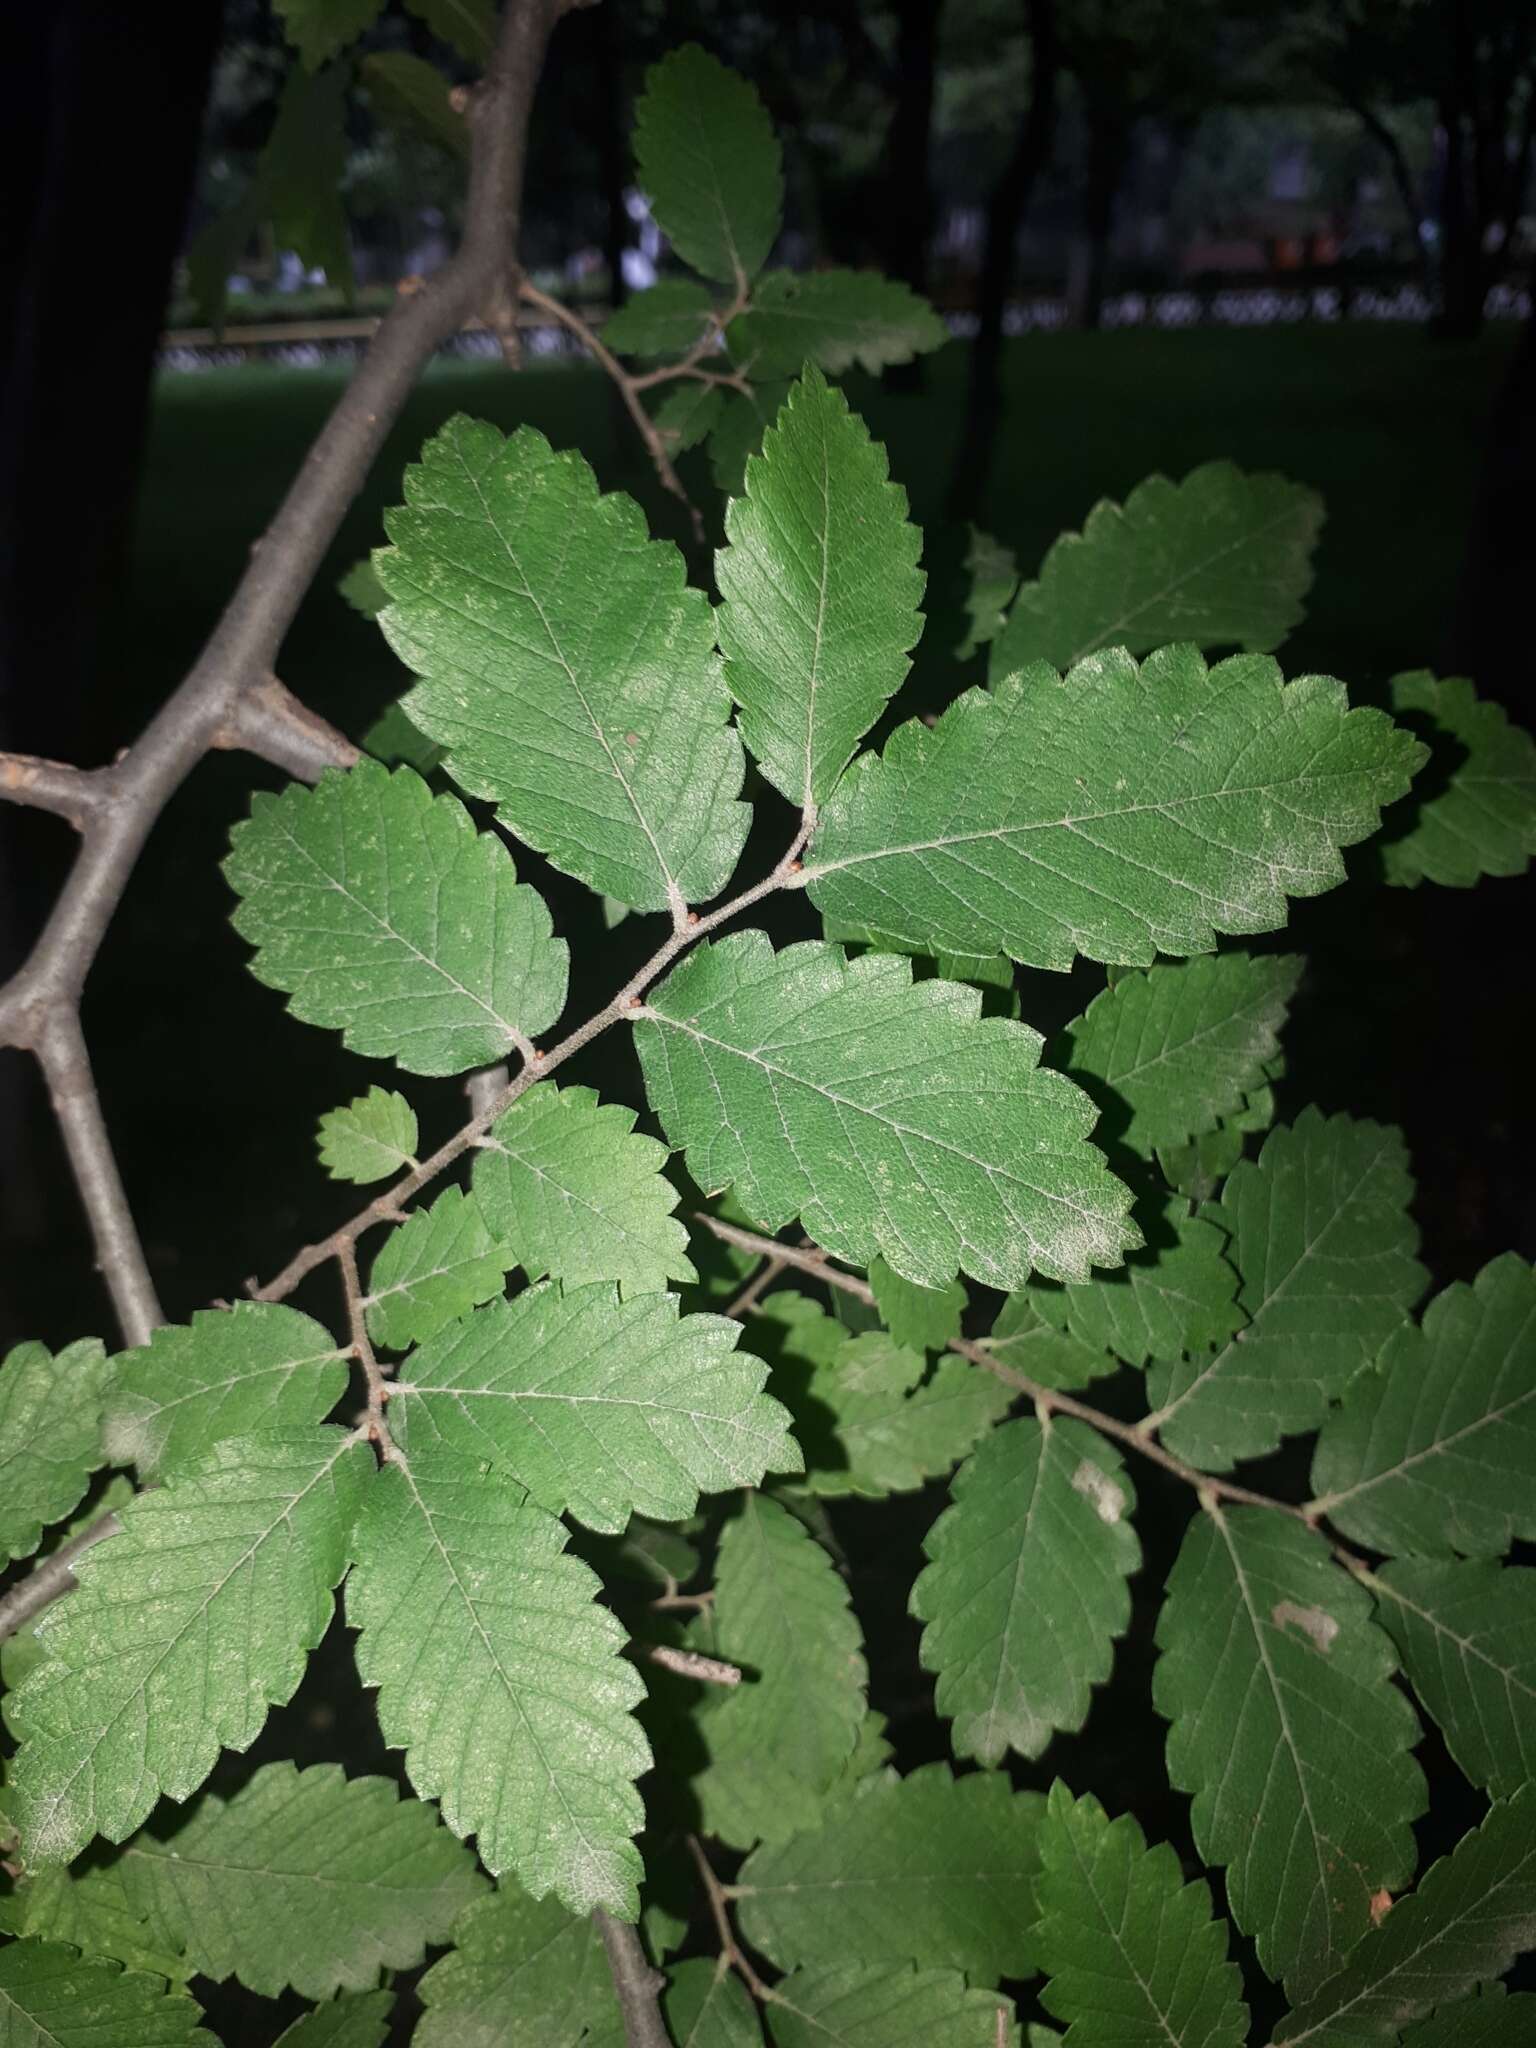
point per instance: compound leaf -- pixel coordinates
(500, 1676)
(708, 2006)
(566, 1182)
(820, 591)
(1483, 822)
(357, 2019)
(859, 2005)
(709, 163)
(567, 667)
(321, 29)
(1026, 1592)
(922, 1318)
(834, 318)
(889, 1115)
(50, 1437)
(52, 1997)
(382, 913)
(598, 1406)
(1221, 559)
(1289, 1733)
(669, 319)
(519, 1970)
(374, 1136)
(433, 1269)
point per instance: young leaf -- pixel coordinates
(1025, 1593)
(1321, 1235)
(922, 1318)
(1168, 1053)
(858, 2005)
(738, 434)
(357, 2019)
(407, 92)
(890, 1116)
(708, 2006)
(373, 1137)
(382, 913)
(1466, 1633)
(1221, 559)
(1483, 822)
(1289, 1733)
(322, 29)
(709, 163)
(1176, 1294)
(928, 1869)
(819, 592)
(50, 1437)
(184, 1629)
(434, 1268)
(468, 26)
(1435, 1450)
(501, 1677)
(230, 1372)
(1465, 1924)
(305, 1879)
(567, 667)
(668, 320)
(90, 1908)
(598, 1406)
(1024, 1342)
(567, 1183)
(1132, 1952)
(50, 1997)
(519, 1970)
(834, 318)
(1114, 812)
(994, 577)
(777, 1741)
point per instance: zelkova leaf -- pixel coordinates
(408, 92)
(1114, 811)
(519, 1970)
(1289, 1733)
(928, 1869)
(52, 1997)
(372, 1137)
(1466, 1923)
(1168, 1053)
(1222, 559)
(1491, 2018)
(890, 1116)
(227, 1373)
(710, 165)
(357, 2019)
(1321, 1234)
(1023, 1341)
(922, 1318)
(708, 2006)
(993, 573)
(392, 738)
(302, 170)
(778, 1741)
(667, 320)
(382, 913)
(501, 1677)
(566, 1182)
(1466, 1632)
(1435, 1450)
(834, 318)
(185, 1628)
(819, 592)
(1132, 1952)
(468, 26)
(1025, 1593)
(568, 669)
(859, 2005)
(434, 1268)
(598, 1406)
(50, 1437)
(305, 1879)
(90, 1908)
(1177, 1294)
(1483, 821)
(321, 29)
(738, 433)
(688, 412)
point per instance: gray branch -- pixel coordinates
(636, 1985)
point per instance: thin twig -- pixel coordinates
(72, 793)
(362, 1348)
(730, 1947)
(50, 1580)
(689, 1664)
(270, 721)
(757, 1286)
(636, 1985)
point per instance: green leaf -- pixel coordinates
(362, 589)
(1483, 822)
(1025, 1593)
(1169, 1053)
(1491, 2019)
(408, 92)
(835, 318)
(1176, 1294)
(433, 1269)
(303, 169)
(709, 163)
(184, 1629)
(927, 1869)
(304, 1880)
(1022, 1341)
(373, 1137)
(381, 912)
(89, 1907)
(922, 1318)
(501, 1677)
(738, 435)
(1114, 812)
(1466, 1923)
(1435, 1450)
(1321, 1234)
(778, 1741)
(707, 2006)
(50, 1997)
(688, 412)
(228, 1373)
(648, 1553)
(598, 1406)
(1131, 1950)
(519, 1971)
(891, 1117)
(669, 320)
(358, 2019)
(468, 26)
(565, 1182)
(568, 668)
(50, 1437)
(1466, 1633)
(393, 739)
(1221, 559)
(993, 571)
(322, 29)
(856, 2005)
(1289, 1733)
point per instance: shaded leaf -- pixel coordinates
(1177, 1294)
(321, 29)
(1491, 2019)
(408, 92)
(858, 2005)
(50, 1997)
(303, 168)
(668, 320)
(468, 26)
(834, 318)
(709, 162)
(738, 434)
(518, 1971)
(707, 2006)
(89, 1907)
(358, 2019)
(922, 1318)
(392, 738)
(688, 412)
(50, 1436)
(1023, 1341)
(362, 590)
(1483, 822)
(433, 1269)
(993, 573)
(374, 1136)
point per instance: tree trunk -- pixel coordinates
(907, 200)
(613, 147)
(1490, 634)
(1108, 153)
